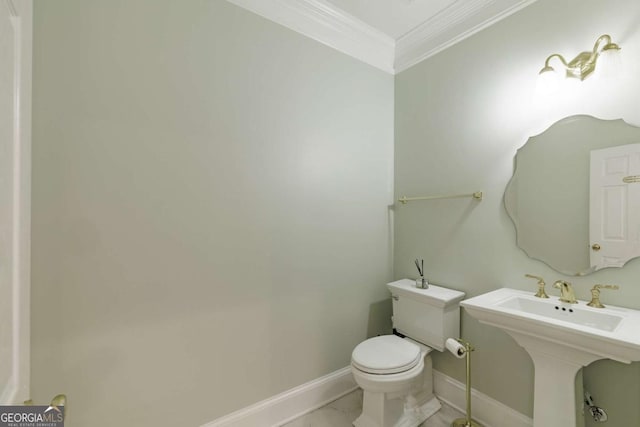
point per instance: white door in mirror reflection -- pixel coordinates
(614, 214)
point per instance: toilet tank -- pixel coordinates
(429, 316)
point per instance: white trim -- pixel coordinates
(291, 404)
(17, 390)
(327, 24)
(486, 410)
(298, 401)
(452, 25)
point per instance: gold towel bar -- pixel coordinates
(477, 195)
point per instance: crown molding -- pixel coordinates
(453, 24)
(329, 26)
(335, 28)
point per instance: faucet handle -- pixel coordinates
(541, 292)
(614, 287)
(595, 295)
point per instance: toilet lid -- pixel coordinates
(387, 354)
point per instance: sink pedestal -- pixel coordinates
(561, 338)
(555, 397)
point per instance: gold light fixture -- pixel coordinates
(585, 63)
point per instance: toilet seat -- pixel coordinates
(384, 355)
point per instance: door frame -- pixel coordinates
(21, 16)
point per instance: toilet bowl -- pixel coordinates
(396, 382)
(395, 372)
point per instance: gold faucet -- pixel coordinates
(595, 295)
(566, 291)
(541, 292)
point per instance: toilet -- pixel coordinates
(395, 371)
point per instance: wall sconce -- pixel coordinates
(582, 65)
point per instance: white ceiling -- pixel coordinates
(392, 35)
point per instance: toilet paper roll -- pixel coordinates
(455, 348)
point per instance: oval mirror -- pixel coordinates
(575, 195)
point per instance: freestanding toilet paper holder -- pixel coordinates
(466, 349)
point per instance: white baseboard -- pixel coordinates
(291, 404)
(484, 409)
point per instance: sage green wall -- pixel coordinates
(460, 117)
(210, 223)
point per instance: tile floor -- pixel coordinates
(342, 413)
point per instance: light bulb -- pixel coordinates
(609, 62)
(548, 81)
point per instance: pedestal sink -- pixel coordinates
(561, 338)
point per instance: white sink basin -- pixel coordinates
(604, 333)
(552, 309)
(561, 338)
